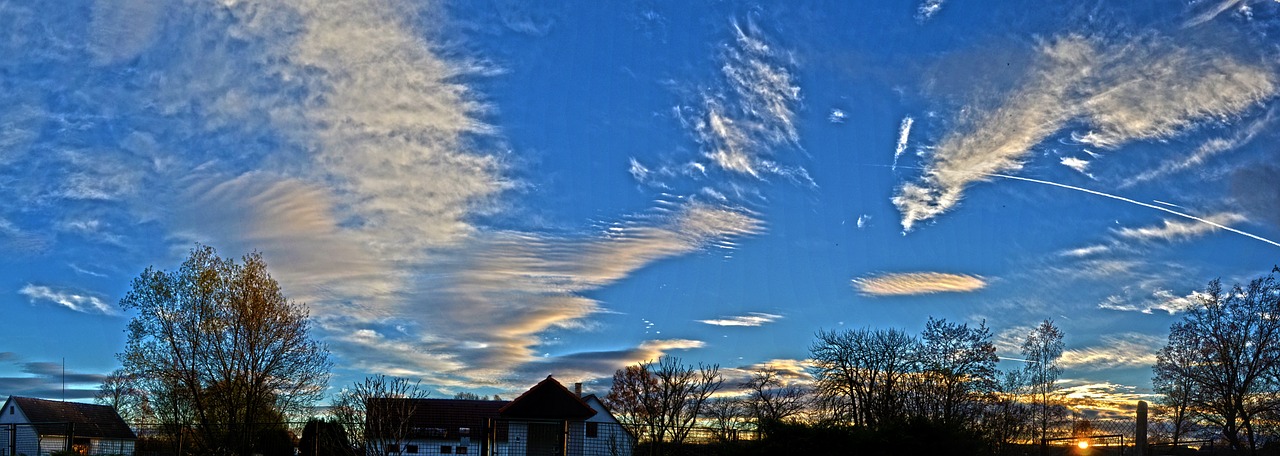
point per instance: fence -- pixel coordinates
(45, 438)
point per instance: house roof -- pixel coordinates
(441, 418)
(90, 420)
(548, 400)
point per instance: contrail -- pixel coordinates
(1121, 198)
(1127, 200)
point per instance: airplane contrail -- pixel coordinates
(1121, 198)
(1127, 200)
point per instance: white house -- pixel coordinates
(547, 420)
(38, 427)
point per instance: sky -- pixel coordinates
(480, 194)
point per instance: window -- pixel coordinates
(411, 449)
(461, 450)
(593, 429)
(393, 448)
(446, 449)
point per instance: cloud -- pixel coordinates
(1087, 251)
(46, 380)
(1103, 400)
(750, 319)
(122, 29)
(740, 128)
(927, 9)
(1160, 299)
(863, 220)
(837, 116)
(916, 283)
(1081, 166)
(493, 298)
(1174, 230)
(1204, 152)
(1115, 351)
(1207, 13)
(904, 133)
(1146, 89)
(78, 302)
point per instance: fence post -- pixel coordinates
(1140, 440)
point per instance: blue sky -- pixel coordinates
(479, 194)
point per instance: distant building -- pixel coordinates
(36, 427)
(548, 419)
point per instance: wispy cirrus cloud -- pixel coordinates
(1114, 351)
(1206, 151)
(77, 301)
(1159, 300)
(904, 134)
(917, 283)
(1175, 230)
(492, 300)
(741, 126)
(1145, 89)
(750, 319)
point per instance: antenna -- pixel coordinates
(64, 379)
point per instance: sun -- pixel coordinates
(1083, 444)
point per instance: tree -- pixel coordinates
(124, 393)
(377, 412)
(725, 415)
(862, 374)
(771, 400)
(216, 343)
(1041, 350)
(664, 398)
(957, 369)
(1224, 355)
(325, 438)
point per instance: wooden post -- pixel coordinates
(1140, 439)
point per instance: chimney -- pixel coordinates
(577, 389)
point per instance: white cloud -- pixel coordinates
(1160, 300)
(927, 9)
(78, 302)
(1174, 230)
(1207, 150)
(837, 116)
(1087, 251)
(740, 128)
(1145, 89)
(904, 133)
(916, 283)
(863, 220)
(1081, 166)
(1116, 351)
(750, 319)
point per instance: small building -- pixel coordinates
(38, 427)
(548, 419)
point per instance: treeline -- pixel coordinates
(874, 389)
(886, 391)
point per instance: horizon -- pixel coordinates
(480, 195)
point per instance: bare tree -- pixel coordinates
(1041, 350)
(663, 398)
(862, 374)
(1226, 354)
(376, 412)
(769, 399)
(727, 417)
(216, 342)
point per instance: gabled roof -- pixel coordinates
(90, 420)
(548, 400)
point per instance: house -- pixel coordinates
(38, 427)
(548, 419)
